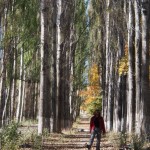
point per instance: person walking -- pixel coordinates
(97, 127)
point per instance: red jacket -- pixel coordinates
(101, 123)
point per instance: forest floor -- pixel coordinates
(74, 139)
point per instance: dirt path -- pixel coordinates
(75, 140)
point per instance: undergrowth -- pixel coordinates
(9, 137)
(131, 141)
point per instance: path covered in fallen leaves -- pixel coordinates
(75, 139)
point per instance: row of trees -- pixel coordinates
(119, 39)
(42, 59)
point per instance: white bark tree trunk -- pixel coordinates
(131, 98)
(4, 117)
(59, 11)
(137, 64)
(40, 106)
(3, 66)
(20, 98)
(71, 62)
(107, 63)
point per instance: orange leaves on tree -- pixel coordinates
(123, 63)
(92, 91)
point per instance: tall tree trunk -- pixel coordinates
(14, 81)
(71, 63)
(53, 69)
(36, 100)
(4, 115)
(44, 101)
(107, 62)
(137, 64)
(58, 106)
(23, 95)
(12, 86)
(3, 68)
(0, 37)
(145, 102)
(10, 80)
(119, 91)
(131, 97)
(19, 105)
(110, 95)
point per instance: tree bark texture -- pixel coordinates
(145, 103)
(137, 64)
(131, 93)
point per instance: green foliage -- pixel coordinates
(133, 141)
(113, 138)
(118, 140)
(94, 105)
(46, 132)
(137, 142)
(81, 50)
(122, 139)
(9, 137)
(33, 139)
(22, 32)
(12, 139)
(37, 142)
(95, 27)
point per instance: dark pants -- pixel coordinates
(96, 132)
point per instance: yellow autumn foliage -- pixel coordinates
(123, 63)
(92, 91)
(94, 75)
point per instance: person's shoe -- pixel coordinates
(88, 146)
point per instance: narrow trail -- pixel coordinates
(75, 140)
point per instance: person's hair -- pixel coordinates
(97, 111)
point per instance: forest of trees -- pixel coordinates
(47, 48)
(119, 32)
